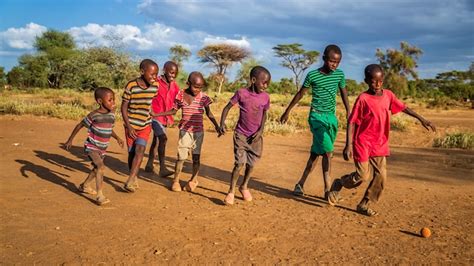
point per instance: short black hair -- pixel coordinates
(371, 69)
(100, 92)
(195, 74)
(146, 63)
(332, 48)
(256, 70)
(170, 63)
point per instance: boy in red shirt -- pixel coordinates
(368, 134)
(162, 102)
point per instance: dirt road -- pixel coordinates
(45, 220)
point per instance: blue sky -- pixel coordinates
(148, 28)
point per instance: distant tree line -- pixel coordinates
(58, 63)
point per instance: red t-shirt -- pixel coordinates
(371, 115)
(164, 100)
(192, 118)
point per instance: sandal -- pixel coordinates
(129, 188)
(102, 200)
(86, 189)
(176, 187)
(246, 194)
(229, 199)
(191, 186)
(298, 191)
(366, 211)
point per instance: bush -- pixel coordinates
(461, 140)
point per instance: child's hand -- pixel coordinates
(68, 145)
(120, 142)
(131, 132)
(256, 136)
(427, 124)
(347, 153)
(220, 131)
(284, 118)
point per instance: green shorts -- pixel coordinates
(324, 129)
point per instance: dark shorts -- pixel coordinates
(245, 151)
(158, 128)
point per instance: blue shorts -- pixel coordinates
(158, 128)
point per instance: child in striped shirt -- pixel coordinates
(136, 104)
(99, 124)
(194, 103)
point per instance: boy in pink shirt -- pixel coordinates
(162, 102)
(368, 135)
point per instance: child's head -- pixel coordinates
(149, 71)
(374, 77)
(105, 97)
(196, 82)
(170, 71)
(332, 57)
(260, 78)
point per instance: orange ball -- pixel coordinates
(425, 232)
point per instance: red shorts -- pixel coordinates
(141, 139)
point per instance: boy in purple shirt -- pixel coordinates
(248, 141)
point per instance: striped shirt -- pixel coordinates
(324, 89)
(139, 102)
(192, 118)
(99, 131)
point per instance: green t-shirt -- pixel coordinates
(324, 89)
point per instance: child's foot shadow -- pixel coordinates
(51, 176)
(409, 233)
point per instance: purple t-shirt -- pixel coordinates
(251, 106)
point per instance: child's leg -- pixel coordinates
(248, 172)
(152, 155)
(235, 177)
(196, 166)
(376, 186)
(162, 154)
(131, 156)
(326, 166)
(100, 167)
(310, 164)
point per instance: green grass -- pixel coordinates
(460, 140)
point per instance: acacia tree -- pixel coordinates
(57, 47)
(398, 65)
(221, 57)
(179, 54)
(296, 59)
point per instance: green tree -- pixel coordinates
(57, 47)
(399, 65)
(35, 70)
(221, 57)
(243, 74)
(179, 54)
(296, 59)
(17, 77)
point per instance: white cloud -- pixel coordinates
(22, 38)
(243, 43)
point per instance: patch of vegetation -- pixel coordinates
(460, 140)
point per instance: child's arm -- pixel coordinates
(425, 123)
(74, 132)
(225, 111)
(347, 153)
(345, 101)
(124, 109)
(119, 140)
(298, 96)
(170, 112)
(259, 133)
(213, 120)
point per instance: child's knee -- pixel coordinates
(163, 138)
(196, 158)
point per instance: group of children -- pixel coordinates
(150, 101)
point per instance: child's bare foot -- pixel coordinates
(165, 173)
(246, 194)
(86, 189)
(229, 199)
(366, 211)
(101, 200)
(191, 186)
(176, 187)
